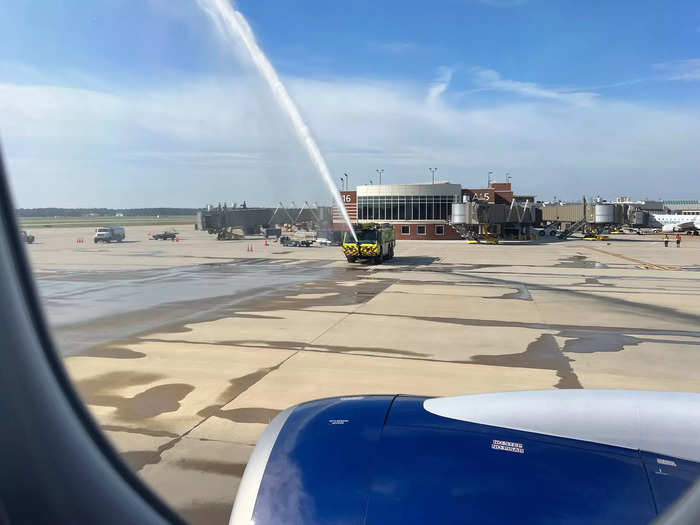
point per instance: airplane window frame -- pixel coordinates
(58, 467)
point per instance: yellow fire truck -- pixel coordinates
(375, 242)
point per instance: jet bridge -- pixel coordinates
(474, 219)
(596, 216)
(568, 232)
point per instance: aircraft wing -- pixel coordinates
(683, 226)
(690, 225)
(584, 456)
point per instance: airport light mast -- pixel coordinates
(432, 171)
(380, 171)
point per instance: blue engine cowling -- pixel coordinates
(386, 459)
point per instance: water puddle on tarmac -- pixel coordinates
(521, 293)
(88, 308)
(579, 261)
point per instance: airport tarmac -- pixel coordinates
(189, 348)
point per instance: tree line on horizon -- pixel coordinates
(104, 212)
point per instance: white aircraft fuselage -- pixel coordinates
(674, 223)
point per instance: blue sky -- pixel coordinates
(105, 103)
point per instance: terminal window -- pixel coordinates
(405, 230)
(405, 207)
(421, 230)
(439, 229)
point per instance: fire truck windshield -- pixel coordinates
(367, 235)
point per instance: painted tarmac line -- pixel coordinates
(654, 267)
(641, 264)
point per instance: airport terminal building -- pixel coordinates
(683, 206)
(417, 211)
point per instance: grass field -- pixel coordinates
(93, 222)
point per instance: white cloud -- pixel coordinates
(225, 139)
(439, 85)
(686, 70)
(488, 79)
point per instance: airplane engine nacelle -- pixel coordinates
(585, 456)
(668, 228)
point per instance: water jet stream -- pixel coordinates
(232, 23)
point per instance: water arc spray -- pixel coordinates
(232, 23)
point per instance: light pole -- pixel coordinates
(347, 179)
(489, 178)
(432, 171)
(342, 181)
(508, 177)
(380, 171)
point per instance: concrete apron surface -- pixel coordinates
(185, 401)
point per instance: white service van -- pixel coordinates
(109, 234)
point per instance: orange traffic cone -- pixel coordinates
(177, 239)
(267, 243)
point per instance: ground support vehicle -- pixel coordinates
(375, 243)
(109, 234)
(164, 236)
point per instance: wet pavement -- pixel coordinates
(89, 308)
(184, 365)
